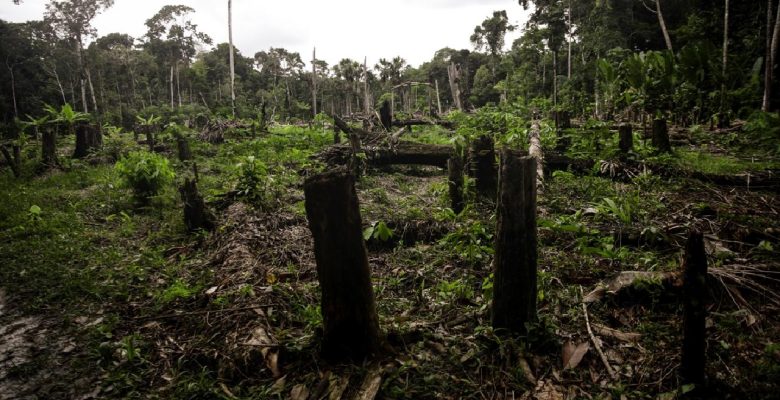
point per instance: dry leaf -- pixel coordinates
(371, 384)
(545, 390)
(299, 392)
(572, 354)
(278, 386)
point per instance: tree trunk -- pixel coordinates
(773, 54)
(314, 82)
(13, 89)
(722, 120)
(366, 93)
(483, 166)
(172, 98)
(514, 285)
(661, 136)
(350, 323)
(232, 60)
(82, 74)
(768, 59)
(455, 183)
(694, 312)
(92, 91)
(438, 99)
(661, 22)
(178, 84)
(453, 72)
(568, 27)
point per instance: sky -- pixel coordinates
(412, 29)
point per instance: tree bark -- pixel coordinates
(694, 312)
(386, 116)
(768, 59)
(535, 151)
(172, 99)
(92, 91)
(438, 99)
(514, 286)
(350, 323)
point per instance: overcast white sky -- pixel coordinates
(413, 29)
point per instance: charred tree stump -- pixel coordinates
(350, 323)
(196, 215)
(694, 313)
(455, 180)
(49, 147)
(88, 138)
(14, 160)
(626, 136)
(386, 116)
(183, 146)
(661, 136)
(82, 142)
(514, 285)
(483, 166)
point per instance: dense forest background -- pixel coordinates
(587, 56)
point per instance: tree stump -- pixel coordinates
(196, 215)
(49, 147)
(661, 136)
(455, 180)
(514, 285)
(694, 312)
(88, 138)
(626, 136)
(386, 116)
(183, 145)
(350, 323)
(483, 166)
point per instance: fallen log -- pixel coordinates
(416, 122)
(407, 153)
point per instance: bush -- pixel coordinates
(145, 173)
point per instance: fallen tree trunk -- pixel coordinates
(402, 153)
(415, 122)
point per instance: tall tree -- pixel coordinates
(73, 18)
(171, 33)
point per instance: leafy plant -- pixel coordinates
(472, 241)
(145, 173)
(378, 231)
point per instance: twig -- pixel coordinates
(612, 373)
(203, 312)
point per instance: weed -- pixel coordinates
(145, 173)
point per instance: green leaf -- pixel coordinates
(35, 210)
(368, 232)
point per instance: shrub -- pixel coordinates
(145, 173)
